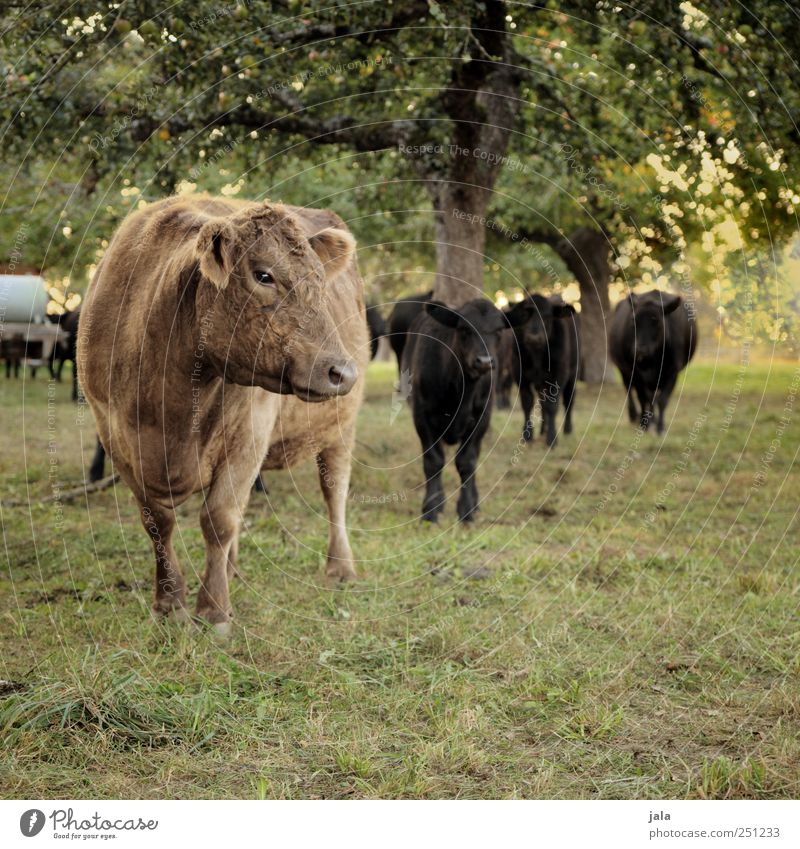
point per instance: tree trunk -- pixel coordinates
(586, 254)
(481, 102)
(460, 242)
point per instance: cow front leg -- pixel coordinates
(548, 400)
(664, 394)
(333, 465)
(627, 382)
(432, 463)
(233, 558)
(467, 465)
(526, 399)
(170, 588)
(646, 403)
(633, 412)
(549, 412)
(220, 520)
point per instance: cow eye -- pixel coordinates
(264, 278)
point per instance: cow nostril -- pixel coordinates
(343, 374)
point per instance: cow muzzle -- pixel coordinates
(480, 365)
(328, 378)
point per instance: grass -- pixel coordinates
(621, 620)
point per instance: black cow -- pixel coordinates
(64, 350)
(98, 468)
(400, 320)
(506, 353)
(546, 360)
(651, 342)
(451, 356)
(377, 328)
(17, 349)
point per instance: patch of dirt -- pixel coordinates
(135, 586)
(8, 688)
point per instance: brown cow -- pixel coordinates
(202, 314)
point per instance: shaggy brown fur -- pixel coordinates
(181, 333)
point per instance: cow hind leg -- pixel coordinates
(97, 469)
(333, 465)
(549, 409)
(569, 400)
(170, 589)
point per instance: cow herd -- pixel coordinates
(458, 362)
(201, 304)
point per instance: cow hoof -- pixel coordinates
(175, 620)
(182, 615)
(211, 616)
(176, 611)
(340, 573)
(431, 518)
(222, 630)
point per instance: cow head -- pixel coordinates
(648, 313)
(262, 302)
(477, 327)
(537, 314)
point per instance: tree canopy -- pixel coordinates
(585, 140)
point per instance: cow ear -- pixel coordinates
(563, 310)
(442, 313)
(215, 249)
(519, 313)
(335, 248)
(670, 303)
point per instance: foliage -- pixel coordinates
(663, 126)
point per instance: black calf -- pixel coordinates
(451, 356)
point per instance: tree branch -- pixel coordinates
(311, 33)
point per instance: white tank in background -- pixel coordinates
(26, 337)
(23, 299)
